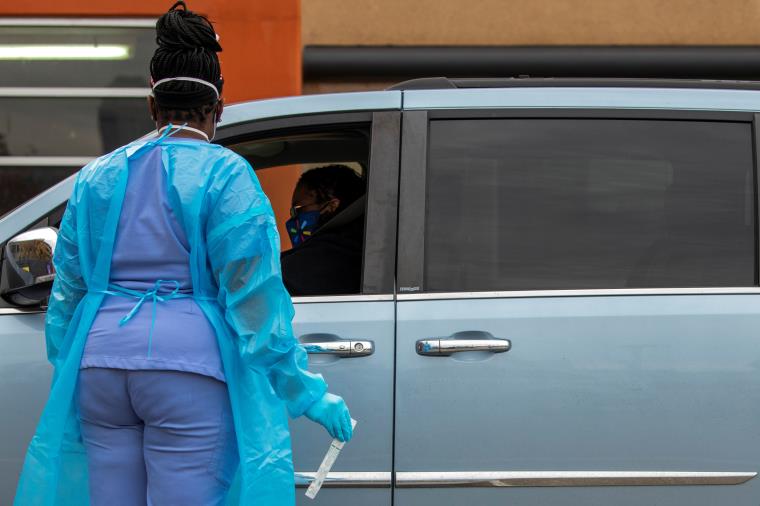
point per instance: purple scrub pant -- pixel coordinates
(156, 438)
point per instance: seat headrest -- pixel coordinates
(353, 211)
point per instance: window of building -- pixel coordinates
(70, 90)
(527, 204)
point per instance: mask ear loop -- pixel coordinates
(153, 86)
(213, 122)
(168, 131)
(171, 129)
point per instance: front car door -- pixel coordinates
(349, 336)
(578, 305)
(362, 475)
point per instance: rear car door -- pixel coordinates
(578, 308)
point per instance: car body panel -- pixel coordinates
(310, 104)
(601, 388)
(364, 470)
(25, 383)
(656, 383)
(366, 383)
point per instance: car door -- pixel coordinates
(24, 369)
(349, 336)
(25, 373)
(578, 308)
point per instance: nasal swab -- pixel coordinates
(327, 463)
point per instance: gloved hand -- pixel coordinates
(332, 413)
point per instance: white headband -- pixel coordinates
(191, 79)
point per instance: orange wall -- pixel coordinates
(261, 41)
(261, 38)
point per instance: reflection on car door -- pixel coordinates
(26, 379)
(577, 324)
(24, 369)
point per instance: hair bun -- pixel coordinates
(182, 29)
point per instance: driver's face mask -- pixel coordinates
(301, 225)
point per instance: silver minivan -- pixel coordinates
(559, 298)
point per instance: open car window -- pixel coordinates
(330, 261)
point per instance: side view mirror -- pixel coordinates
(27, 272)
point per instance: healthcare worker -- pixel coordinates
(168, 326)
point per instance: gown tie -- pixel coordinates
(151, 294)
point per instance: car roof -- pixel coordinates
(255, 110)
(445, 83)
(518, 92)
(580, 93)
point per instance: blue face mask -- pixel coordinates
(302, 226)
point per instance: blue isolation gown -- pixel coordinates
(236, 279)
(151, 244)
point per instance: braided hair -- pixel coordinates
(187, 47)
(334, 181)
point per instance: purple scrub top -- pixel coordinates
(151, 245)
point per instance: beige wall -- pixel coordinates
(530, 22)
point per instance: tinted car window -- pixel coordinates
(525, 204)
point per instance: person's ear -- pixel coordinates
(219, 110)
(331, 206)
(152, 108)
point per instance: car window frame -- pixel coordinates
(379, 248)
(413, 187)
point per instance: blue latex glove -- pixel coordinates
(332, 413)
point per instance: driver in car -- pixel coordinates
(326, 229)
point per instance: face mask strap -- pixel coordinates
(167, 131)
(199, 81)
(213, 123)
(188, 79)
(171, 129)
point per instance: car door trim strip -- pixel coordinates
(19, 311)
(362, 479)
(342, 298)
(567, 478)
(751, 290)
(372, 479)
(296, 300)
(45, 161)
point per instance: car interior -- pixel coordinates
(280, 160)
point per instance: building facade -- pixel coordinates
(74, 77)
(371, 44)
(59, 110)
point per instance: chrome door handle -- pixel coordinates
(342, 348)
(445, 347)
